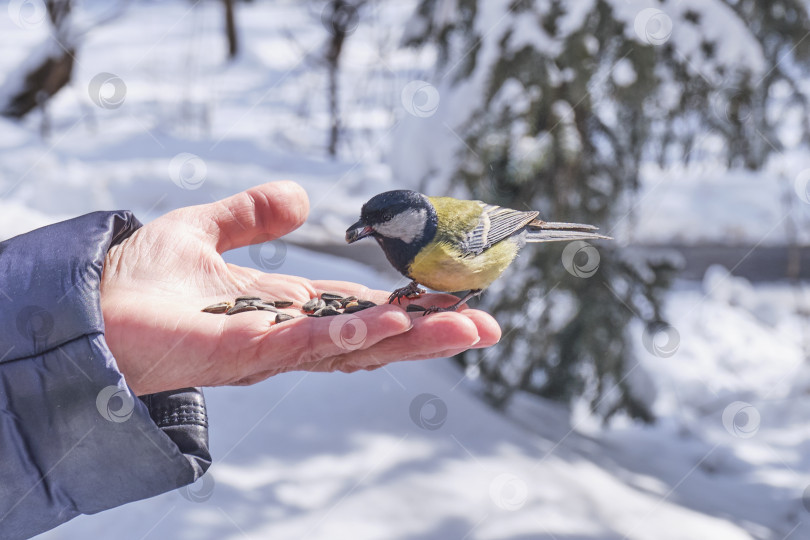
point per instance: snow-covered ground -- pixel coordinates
(410, 451)
(705, 203)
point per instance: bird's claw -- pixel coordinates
(410, 291)
(437, 309)
(454, 307)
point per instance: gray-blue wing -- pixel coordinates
(495, 224)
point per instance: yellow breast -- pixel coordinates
(441, 267)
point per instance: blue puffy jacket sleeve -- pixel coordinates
(73, 438)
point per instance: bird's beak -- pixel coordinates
(357, 231)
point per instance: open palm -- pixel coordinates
(156, 282)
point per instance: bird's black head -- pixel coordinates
(402, 221)
(401, 214)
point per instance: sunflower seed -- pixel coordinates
(348, 300)
(328, 311)
(261, 306)
(246, 298)
(415, 307)
(221, 307)
(366, 303)
(334, 304)
(355, 307)
(281, 317)
(327, 296)
(241, 308)
(283, 303)
(313, 305)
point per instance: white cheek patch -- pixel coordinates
(407, 226)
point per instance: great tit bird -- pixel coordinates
(453, 245)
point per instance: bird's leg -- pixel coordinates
(472, 294)
(411, 290)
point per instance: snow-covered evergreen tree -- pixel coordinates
(554, 105)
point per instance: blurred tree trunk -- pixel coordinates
(340, 17)
(334, 48)
(230, 29)
(48, 73)
(334, 112)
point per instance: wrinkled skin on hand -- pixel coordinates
(156, 282)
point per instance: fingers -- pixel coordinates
(366, 339)
(256, 215)
(488, 328)
(380, 297)
(430, 337)
(435, 336)
(308, 340)
(352, 363)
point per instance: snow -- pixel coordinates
(735, 207)
(657, 23)
(367, 455)
(623, 73)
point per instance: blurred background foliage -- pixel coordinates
(575, 97)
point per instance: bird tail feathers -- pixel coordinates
(552, 231)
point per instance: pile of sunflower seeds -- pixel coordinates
(328, 304)
(334, 304)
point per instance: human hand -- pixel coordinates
(156, 282)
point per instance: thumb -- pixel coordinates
(259, 214)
